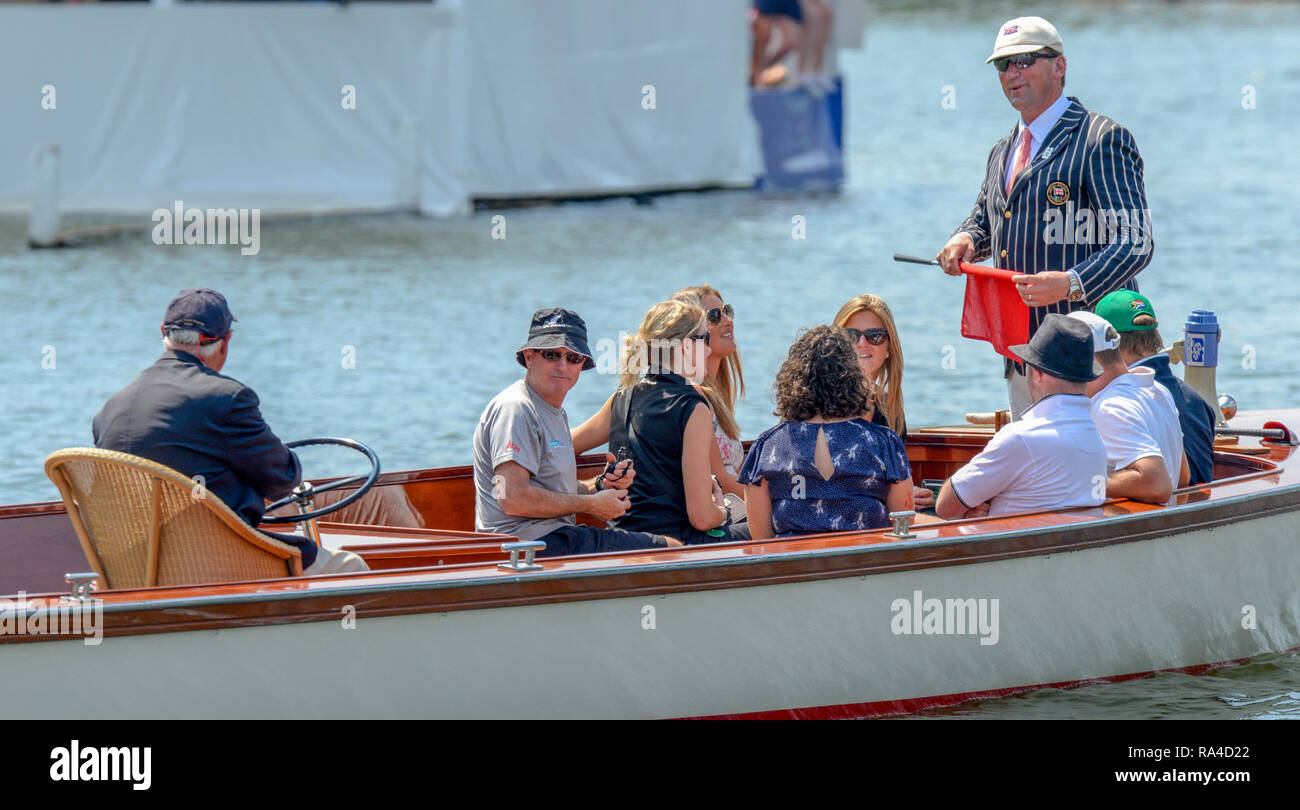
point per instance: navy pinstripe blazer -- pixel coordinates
(1080, 205)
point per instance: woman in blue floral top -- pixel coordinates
(824, 468)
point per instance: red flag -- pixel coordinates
(994, 310)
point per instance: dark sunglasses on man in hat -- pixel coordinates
(1022, 60)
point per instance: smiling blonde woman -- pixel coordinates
(723, 383)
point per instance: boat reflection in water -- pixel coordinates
(833, 625)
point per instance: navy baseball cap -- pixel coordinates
(202, 309)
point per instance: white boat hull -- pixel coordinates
(1206, 596)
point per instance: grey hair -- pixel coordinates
(187, 340)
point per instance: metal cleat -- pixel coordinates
(529, 547)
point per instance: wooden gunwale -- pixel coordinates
(475, 586)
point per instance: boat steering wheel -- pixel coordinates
(306, 490)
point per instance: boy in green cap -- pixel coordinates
(1134, 317)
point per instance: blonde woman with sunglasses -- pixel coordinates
(660, 420)
(723, 383)
(870, 325)
(722, 386)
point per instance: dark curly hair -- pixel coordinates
(821, 377)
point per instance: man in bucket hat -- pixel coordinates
(183, 413)
(1052, 457)
(1063, 202)
(525, 473)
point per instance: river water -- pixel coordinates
(396, 330)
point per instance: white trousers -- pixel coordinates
(335, 562)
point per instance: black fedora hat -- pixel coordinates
(556, 328)
(1061, 347)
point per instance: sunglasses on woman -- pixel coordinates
(715, 314)
(553, 355)
(875, 337)
(704, 337)
(1021, 60)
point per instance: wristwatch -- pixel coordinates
(1076, 287)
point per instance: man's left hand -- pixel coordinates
(1041, 289)
(621, 476)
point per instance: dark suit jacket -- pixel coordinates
(1092, 169)
(184, 415)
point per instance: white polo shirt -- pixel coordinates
(1052, 458)
(1137, 418)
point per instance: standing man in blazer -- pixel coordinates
(1063, 201)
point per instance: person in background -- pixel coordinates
(1134, 318)
(805, 25)
(1051, 458)
(1138, 422)
(660, 420)
(525, 473)
(870, 325)
(824, 467)
(765, 69)
(723, 383)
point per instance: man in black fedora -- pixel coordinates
(525, 472)
(1053, 457)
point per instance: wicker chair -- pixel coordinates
(143, 524)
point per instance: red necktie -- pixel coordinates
(1022, 160)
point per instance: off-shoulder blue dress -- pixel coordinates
(868, 458)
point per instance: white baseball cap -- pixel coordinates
(1104, 335)
(1025, 35)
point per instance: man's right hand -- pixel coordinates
(607, 504)
(960, 248)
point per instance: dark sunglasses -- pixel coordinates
(704, 337)
(875, 337)
(1022, 60)
(553, 355)
(715, 314)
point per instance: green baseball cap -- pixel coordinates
(1122, 306)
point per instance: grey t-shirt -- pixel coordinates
(520, 426)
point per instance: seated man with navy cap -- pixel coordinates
(1053, 457)
(182, 413)
(525, 473)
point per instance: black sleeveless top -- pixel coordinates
(647, 423)
(879, 418)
